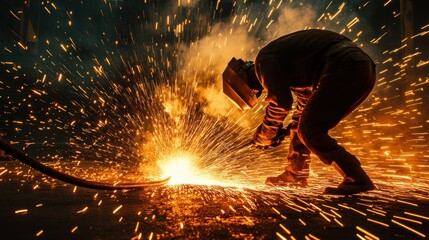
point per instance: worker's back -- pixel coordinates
(295, 61)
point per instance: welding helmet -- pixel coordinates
(240, 83)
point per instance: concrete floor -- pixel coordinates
(33, 206)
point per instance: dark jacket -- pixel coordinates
(294, 61)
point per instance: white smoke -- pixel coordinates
(292, 19)
(206, 59)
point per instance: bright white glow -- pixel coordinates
(183, 169)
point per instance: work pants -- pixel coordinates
(343, 85)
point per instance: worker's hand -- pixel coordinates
(264, 139)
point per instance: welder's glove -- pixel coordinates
(266, 137)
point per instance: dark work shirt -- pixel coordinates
(292, 63)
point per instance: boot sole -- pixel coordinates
(349, 190)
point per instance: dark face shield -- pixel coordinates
(237, 82)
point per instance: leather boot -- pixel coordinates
(287, 179)
(355, 178)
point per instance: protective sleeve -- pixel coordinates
(267, 132)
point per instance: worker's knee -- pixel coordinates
(319, 142)
(309, 140)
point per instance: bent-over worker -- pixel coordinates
(329, 76)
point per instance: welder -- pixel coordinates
(329, 76)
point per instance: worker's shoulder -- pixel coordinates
(315, 32)
(308, 35)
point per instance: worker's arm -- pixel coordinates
(279, 98)
(271, 132)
